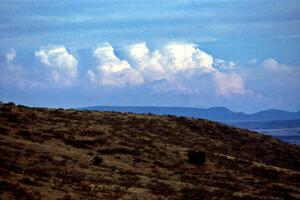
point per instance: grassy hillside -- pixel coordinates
(71, 154)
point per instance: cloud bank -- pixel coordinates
(177, 74)
(176, 64)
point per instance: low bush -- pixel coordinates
(84, 144)
(3, 131)
(97, 161)
(196, 157)
(119, 150)
(192, 193)
(161, 188)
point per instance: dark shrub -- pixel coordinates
(161, 188)
(192, 194)
(97, 160)
(269, 174)
(29, 181)
(83, 144)
(3, 131)
(12, 117)
(24, 134)
(18, 191)
(119, 150)
(31, 115)
(11, 104)
(129, 180)
(196, 157)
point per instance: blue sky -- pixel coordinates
(200, 53)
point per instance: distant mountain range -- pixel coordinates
(215, 113)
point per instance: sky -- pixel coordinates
(239, 54)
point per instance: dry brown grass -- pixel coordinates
(50, 154)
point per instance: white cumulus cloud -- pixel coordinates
(62, 64)
(185, 56)
(271, 64)
(229, 84)
(169, 61)
(180, 67)
(10, 55)
(113, 71)
(150, 64)
(183, 64)
(224, 65)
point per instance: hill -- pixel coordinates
(82, 154)
(215, 113)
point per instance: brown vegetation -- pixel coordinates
(71, 154)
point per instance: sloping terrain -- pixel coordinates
(71, 154)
